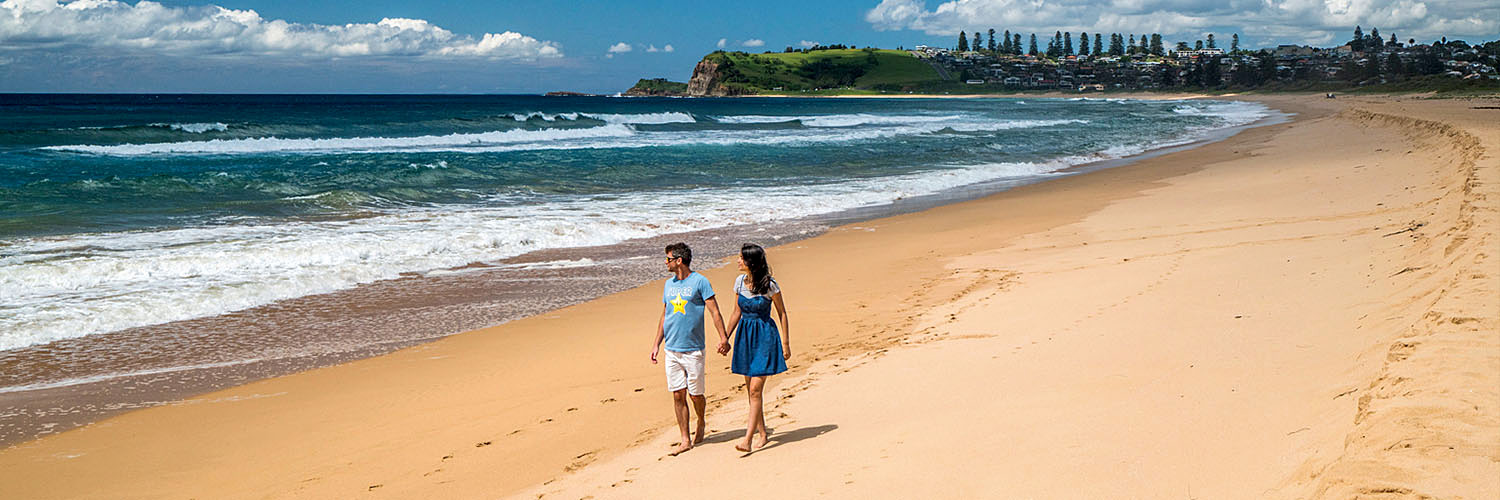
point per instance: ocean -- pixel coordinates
(157, 246)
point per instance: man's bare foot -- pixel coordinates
(702, 433)
(681, 447)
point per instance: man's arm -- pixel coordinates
(656, 342)
(713, 309)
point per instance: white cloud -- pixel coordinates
(620, 48)
(652, 48)
(808, 43)
(722, 43)
(668, 48)
(197, 30)
(753, 42)
(1261, 21)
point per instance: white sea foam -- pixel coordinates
(50, 290)
(642, 118)
(614, 135)
(637, 118)
(194, 128)
(1228, 113)
(371, 144)
(844, 120)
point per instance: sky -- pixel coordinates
(387, 46)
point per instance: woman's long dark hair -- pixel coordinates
(760, 272)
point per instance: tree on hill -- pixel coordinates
(1357, 44)
(1156, 48)
(1068, 43)
(1054, 47)
(1198, 45)
(1211, 41)
(1130, 46)
(1373, 44)
(1183, 47)
(1015, 46)
(977, 42)
(1033, 45)
(1116, 44)
(1098, 46)
(1234, 43)
(1005, 43)
(1267, 67)
(1083, 43)
(963, 42)
(992, 40)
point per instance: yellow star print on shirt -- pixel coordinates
(679, 305)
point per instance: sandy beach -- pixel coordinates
(1306, 309)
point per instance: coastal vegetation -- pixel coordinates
(994, 61)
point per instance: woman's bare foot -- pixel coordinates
(743, 446)
(761, 440)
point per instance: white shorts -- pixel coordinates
(685, 370)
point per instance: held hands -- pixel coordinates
(723, 348)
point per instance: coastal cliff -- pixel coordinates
(707, 81)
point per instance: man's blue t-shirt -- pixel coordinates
(683, 323)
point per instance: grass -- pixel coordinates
(822, 69)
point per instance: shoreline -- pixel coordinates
(91, 392)
(374, 417)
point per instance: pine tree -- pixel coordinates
(1156, 48)
(1054, 49)
(1373, 44)
(1083, 43)
(1005, 43)
(992, 40)
(978, 43)
(1130, 48)
(1033, 45)
(1393, 65)
(1015, 46)
(963, 42)
(1358, 43)
(1116, 44)
(1211, 41)
(1098, 46)
(1234, 43)
(1068, 43)
(1198, 46)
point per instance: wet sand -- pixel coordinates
(1301, 310)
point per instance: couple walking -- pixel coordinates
(760, 349)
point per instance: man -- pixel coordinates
(684, 298)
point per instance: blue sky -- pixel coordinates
(592, 46)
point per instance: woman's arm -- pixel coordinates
(734, 316)
(786, 326)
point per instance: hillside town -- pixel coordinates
(1142, 62)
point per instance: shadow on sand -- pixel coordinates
(795, 435)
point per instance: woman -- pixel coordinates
(760, 350)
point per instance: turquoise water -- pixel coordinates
(127, 211)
